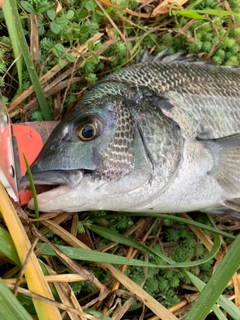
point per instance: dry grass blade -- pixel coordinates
(152, 304)
(72, 265)
(164, 6)
(236, 283)
(51, 303)
(67, 297)
(52, 278)
(33, 272)
(141, 225)
(115, 26)
(136, 14)
(189, 299)
(148, 300)
(122, 309)
(206, 241)
(34, 39)
(64, 290)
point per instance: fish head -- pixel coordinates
(92, 159)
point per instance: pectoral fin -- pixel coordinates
(226, 168)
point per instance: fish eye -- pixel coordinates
(88, 131)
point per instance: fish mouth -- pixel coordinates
(52, 179)
(51, 185)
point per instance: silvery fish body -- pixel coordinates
(160, 136)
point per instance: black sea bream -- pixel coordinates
(156, 136)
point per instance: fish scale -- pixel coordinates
(119, 153)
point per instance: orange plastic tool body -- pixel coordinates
(28, 138)
(14, 140)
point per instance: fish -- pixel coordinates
(159, 136)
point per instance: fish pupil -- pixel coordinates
(88, 132)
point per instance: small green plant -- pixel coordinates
(214, 32)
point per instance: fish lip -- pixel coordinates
(69, 178)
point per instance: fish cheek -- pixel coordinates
(118, 156)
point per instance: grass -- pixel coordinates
(139, 266)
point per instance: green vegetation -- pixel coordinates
(69, 46)
(217, 36)
(55, 33)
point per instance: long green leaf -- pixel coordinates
(96, 256)
(199, 14)
(188, 14)
(217, 283)
(229, 307)
(32, 186)
(97, 314)
(217, 12)
(114, 236)
(12, 16)
(225, 304)
(9, 16)
(11, 309)
(170, 217)
(7, 247)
